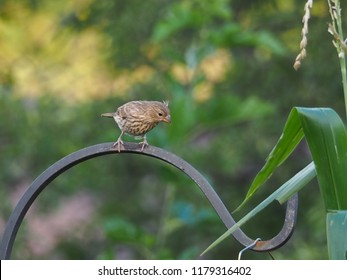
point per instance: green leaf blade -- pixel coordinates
(327, 139)
(291, 136)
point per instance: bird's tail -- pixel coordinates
(108, 115)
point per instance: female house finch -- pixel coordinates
(136, 118)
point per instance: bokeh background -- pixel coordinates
(226, 68)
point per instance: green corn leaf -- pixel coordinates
(296, 183)
(327, 139)
(290, 138)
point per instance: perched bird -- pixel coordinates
(136, 118)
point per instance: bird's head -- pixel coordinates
(159, 112)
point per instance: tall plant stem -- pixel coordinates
(341, 47)
(342, 54)
(344, 79)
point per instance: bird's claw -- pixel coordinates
(118, 143)
(144, 145)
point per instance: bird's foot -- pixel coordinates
(144, 145)
(118, 144)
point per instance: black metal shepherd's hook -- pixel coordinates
(75, 158)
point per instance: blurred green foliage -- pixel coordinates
(226, 68)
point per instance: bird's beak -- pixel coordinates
(108, 115)
(167, 119)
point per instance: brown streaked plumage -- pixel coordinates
(136, 118)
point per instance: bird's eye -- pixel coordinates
(160, 114)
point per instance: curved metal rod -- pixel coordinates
(79, 156)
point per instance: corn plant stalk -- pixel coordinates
(336, 224)
(335, 28)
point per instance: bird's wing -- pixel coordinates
(136, 107)
(122, 112)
